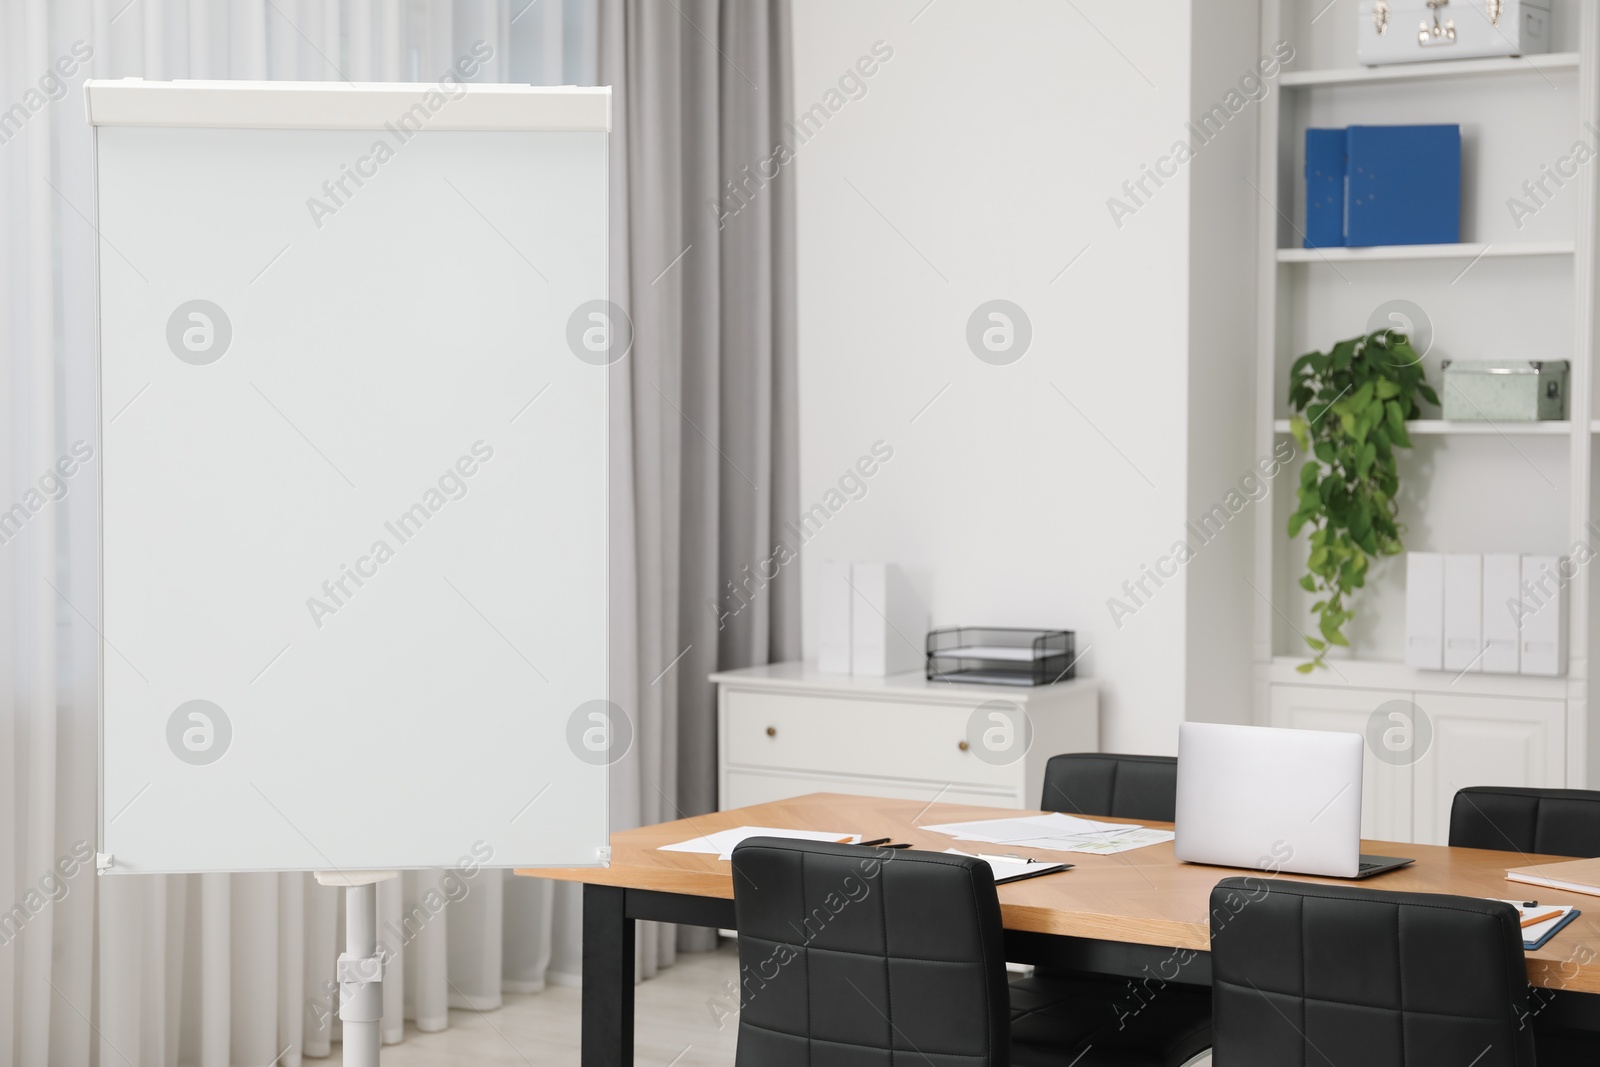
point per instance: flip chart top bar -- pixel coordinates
(269, 105)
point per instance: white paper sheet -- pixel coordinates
(1028, 827)
(1057, 832)
(722, 843)
(1107, 844)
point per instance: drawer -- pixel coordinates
(740, 789)
(873, 738)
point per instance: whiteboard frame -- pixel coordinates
(318, 106)
(260, 105)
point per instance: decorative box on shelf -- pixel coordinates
(1508, 390)
(1408, 31)
(997, 655)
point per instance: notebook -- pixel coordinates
(1549, 919)
(1574, 876)
(1012, 868)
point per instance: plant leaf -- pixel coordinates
(1352, 404)
(1365, 458)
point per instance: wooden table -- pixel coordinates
(1127, 914)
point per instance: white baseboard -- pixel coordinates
(508, 985)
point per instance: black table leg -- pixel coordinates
(608, 971)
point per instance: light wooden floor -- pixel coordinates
(672, 1022)
(674, 1026)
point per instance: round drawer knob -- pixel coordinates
(962, 745)
(772, 731)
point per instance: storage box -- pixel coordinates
(1502, 626)
(1404, 185)
(1492, 390)
(1544, 615)
(1463, 612)
(1407, 31)
(834, 595)
(885, 618)
(1425, 610)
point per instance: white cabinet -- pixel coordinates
(1423, 746)
(786, 729)
(1386, 787)
(1484, 741)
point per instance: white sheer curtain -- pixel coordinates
(214, 969)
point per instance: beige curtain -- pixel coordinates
(703, 261)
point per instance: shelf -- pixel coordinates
(1405, 72)
(1455, 251)
(1383, 674)
(1440, 427)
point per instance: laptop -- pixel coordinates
(1273, 800)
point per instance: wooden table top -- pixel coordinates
(1145, 896)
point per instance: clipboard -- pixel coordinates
(1007, 870)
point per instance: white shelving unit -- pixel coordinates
(1515, 286)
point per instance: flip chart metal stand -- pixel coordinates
(361, 965)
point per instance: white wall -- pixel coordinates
(978, 165)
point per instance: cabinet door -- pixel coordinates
(1481, 740)
(1386, 789)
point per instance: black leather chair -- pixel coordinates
(1319, 974)
(1552, 822)
(1122, 787)
(1113, 785)
(860, 956)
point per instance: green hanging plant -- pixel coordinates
(1352, 404)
